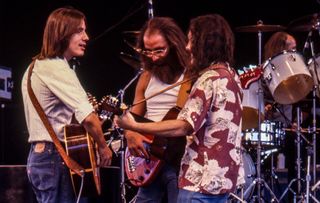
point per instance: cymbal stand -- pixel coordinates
(258, 180)
(298, 163)
(121, 151)
(315, 89)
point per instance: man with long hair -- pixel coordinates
(212, 114)
(61, 96)
(164, 60)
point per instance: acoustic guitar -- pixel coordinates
(81, 147)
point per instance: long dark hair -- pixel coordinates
(61, 25)
(212, 40)
(174, 36)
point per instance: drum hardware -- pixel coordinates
(258, 181)
(314, 67)
(130, 60)
(297, 194)
(286, 119)
(121, 149)
(305, 23)
(245, 178)
(260, 27)
(308, 179)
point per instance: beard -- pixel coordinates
(166, 69)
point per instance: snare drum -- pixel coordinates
(287, 77)
(272, 134)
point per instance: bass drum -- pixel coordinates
(247, 174)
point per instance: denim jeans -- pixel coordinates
(186, 196)
(49, 176)
(166, 182)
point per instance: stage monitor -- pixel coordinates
(6, 83)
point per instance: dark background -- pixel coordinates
(101, 71)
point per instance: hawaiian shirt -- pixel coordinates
(211, 161)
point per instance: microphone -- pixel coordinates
(150, 9)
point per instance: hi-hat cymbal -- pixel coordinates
(130, 60)
(260, 27)
(305, 23)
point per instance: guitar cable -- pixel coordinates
(81, 186)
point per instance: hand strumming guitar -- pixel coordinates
(135, 141)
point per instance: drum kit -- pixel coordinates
(289, 78)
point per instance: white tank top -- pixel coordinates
(158, 106)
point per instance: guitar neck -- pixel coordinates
(140, 119)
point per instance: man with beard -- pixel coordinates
(212, 114)
(164, 60)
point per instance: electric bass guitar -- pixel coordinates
(141, 171)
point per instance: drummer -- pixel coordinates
(281, 113)
(277, 43)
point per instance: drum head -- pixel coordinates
(250, 118)
(287, 77)
(293, 89)
(246, 176)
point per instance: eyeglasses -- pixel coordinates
(155, 52)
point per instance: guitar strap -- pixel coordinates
(186, 85)
(184, 92)
(74, 166)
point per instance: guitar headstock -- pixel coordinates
(250, 76)
(110, 106)
(93, 101)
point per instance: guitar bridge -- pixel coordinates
(131, 165)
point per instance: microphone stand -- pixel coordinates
(121, 151)
(150, 9)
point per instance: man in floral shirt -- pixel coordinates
(212, 114)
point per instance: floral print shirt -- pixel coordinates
(211, 161)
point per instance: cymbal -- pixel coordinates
(260, 27)
(305, 23)
(133, 33)
(132, 46)
(130, 60)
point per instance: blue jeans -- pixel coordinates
(49, 176)
(186, 196)
(165, 182)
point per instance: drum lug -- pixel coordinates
(292, 58)
(268, 77)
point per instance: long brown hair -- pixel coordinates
(175, 38)
(61, 25)
(212, 40)
(276, 44)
